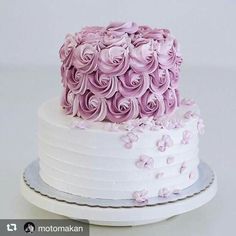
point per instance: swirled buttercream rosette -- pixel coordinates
(114, 60)
(144, 58)
(103, 85)
(76, 81)
(151, 104)
(122, 109)
(159, 81)
(132, 84)
(120, 72)
(91, 107)
(85, 58)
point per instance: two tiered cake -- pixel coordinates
(120, 130)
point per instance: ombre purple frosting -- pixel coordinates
(120, 72)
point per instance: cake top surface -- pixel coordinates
(120, 72)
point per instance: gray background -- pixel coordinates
(31, 33)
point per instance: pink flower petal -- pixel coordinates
(164, 192)
(132, 136)
(128, 145)
(140, 196)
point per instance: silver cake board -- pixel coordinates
(117, 212)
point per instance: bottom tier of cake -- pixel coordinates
(139, 159)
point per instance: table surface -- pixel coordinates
(22, 90)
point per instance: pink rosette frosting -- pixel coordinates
(119, 28)
(122, 109)
(120, 72)
(171, 100)
(168, 54)
(132, 84)
(66, 51)
(156, 34)
(167, 61)
(91, 107)
(85, 58)
(91, 35)
(63, 75)
(114, 60)
(143, 29)
(174, 76)
(103, 85)
(76, 81)
(159, 81)
(144, 58)
(151, 104)
(110, 40)
(67, 102)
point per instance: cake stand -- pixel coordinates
(117, 212)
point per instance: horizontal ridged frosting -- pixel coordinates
(93, 161)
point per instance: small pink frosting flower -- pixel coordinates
(144, 58)
(187, 102)
(187, 135)
(164, 192)
(190, 114)
(172, 124)
(171, 100)
(80, 124)
(201, 126)
(129, 139)
(103, 85)
(145, 162)
(140, 196)
(132, 84)
(122, 109)
(114, 60)
(151, 104)
(91, 107)
(113, 127)
(164, 143)
(85, 58)
(130, 125)
(159, 81)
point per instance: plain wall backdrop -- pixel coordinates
(31, 32)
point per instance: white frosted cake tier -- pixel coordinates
(125, 161)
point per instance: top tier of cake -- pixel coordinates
(120, 72)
